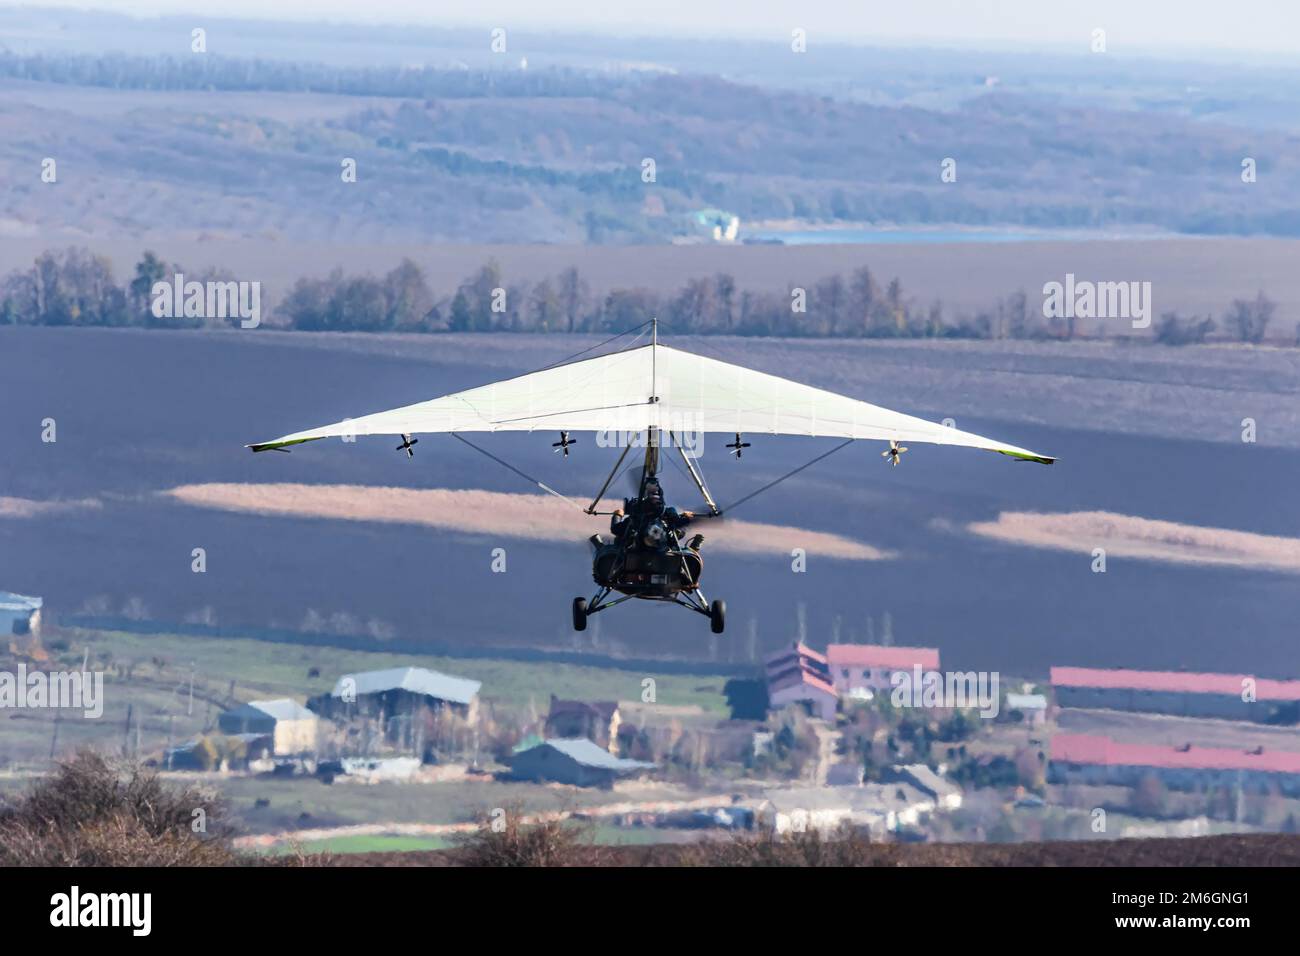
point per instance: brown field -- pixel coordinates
(1142, 538)
(536, 517)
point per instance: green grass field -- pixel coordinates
(150, 674)
(360, 844)
(604, 835)
(261, 668)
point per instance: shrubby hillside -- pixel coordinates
(181, 146)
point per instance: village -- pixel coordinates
(808, 740)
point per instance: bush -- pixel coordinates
(89, 812)
(505, 840)
(845, 846)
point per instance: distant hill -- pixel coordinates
(221, 147)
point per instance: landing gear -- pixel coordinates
(717, 616)
(579, 614)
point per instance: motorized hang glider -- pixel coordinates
(653, 387)
(652, 391)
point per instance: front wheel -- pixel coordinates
(718, 616)
(579, 614)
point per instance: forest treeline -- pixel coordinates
(76, 288)
(120, 71)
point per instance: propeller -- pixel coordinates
(893, 452)
(738, 446)
(564, 443)
(408, 443)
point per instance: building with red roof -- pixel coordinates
(1086, 758)
(1228, 696)
(798, 674)
(858, 668)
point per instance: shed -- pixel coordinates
(393, 691)
(20, 614)
(576, 761)
(292, 727)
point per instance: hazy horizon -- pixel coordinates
(1161, 27)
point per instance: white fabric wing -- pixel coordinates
(653, 386)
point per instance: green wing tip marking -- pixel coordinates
(277, 445)
(1041, 459)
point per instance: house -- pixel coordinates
(598, 721)
(578, 762)
(889, 807)
(848, 773)
(945, 794)
(798, 674)
(20, 615)
(1090, 759)
(399, 691)
(861, 671)
(880, 808)
(718, 224)
(292, 727)
(1227, 696)
(798, 810)
(1032, 706)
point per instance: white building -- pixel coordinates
(878, 807)
(1033, 706)
(945, 794)
(292, 727)
(863, 670)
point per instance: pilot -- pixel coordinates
(642, 512)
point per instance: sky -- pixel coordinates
(1149, 25)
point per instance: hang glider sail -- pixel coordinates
(653, 387)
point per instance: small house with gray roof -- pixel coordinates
(291, 727)
(576, 761)
(19, 614)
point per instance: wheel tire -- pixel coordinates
(579, 614)
(718, 616)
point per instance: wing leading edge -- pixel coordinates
(653, 386)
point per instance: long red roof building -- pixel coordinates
(1175, 682)
(1102, 751)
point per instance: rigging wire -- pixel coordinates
(773, 484)
(598, 345)
(549, 490)
(529, 478)
(505, 464)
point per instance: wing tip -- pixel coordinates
(1026, 456)
(277, 445)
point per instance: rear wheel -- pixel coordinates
(718, 616)
(579, 614)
